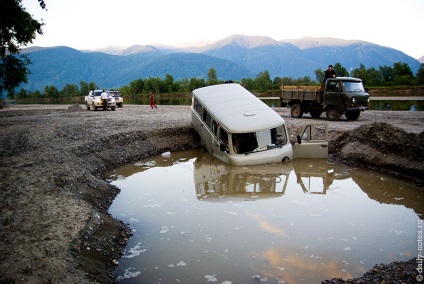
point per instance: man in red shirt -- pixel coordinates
(152, 100)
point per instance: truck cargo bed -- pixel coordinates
(309, 93)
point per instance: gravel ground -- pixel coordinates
(55, 227)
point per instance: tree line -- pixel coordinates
(398, 75)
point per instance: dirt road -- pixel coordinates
(55, 227)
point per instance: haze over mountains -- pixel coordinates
(233, 58)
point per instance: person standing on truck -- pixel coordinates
(152, 100)
(329, 73)
(104, 96)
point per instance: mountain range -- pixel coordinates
(233, 58)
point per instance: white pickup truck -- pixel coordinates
(94, 100)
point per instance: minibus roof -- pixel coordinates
(238, 110)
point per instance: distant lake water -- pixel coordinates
(408, 105)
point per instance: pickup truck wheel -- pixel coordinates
(333, 113)
(315, 113)
(296, 111)
(113, 108)
(94, 107)
(87, 106)
(352, 114)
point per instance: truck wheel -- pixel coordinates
(94, 107)
(315, 113)
(296, 111)
(352, 114)
(112, 108)
(333, 113)
(87, 106)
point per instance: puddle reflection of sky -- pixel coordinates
(282, 233)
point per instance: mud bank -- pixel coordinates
(55, 226)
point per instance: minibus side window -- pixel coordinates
(313, 133)
(194, 103)
(198, 106)
(214, 127)
(207, 118)
(223, 138)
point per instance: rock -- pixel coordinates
(74, 108)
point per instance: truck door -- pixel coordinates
(334, 95)
(312, 142)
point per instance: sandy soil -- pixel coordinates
(55, 226)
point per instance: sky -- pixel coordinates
(93, 24)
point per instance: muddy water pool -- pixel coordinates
(197, 220)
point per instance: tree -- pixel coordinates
(125, 91)
(420, 75)
(319, 75)
(70, 90)
(168, 83)
(361, 73)
(153, 84)
(263, 81)
(277, 83)
(51, 92)
(13, 71)
(196, 83)
(85, 87)
(35, 94)
(374, 76)
(248, 83)
(386, 74)
(17, 29)
(305, 81)
(23, 94)
(212, 79)
(136, 87)
(401, 69)
(340, 70)
(402, 74)
(184, 86)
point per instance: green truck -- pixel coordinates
(337, 96)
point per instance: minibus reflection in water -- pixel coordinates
(237, 127)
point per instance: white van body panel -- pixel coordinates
(238, 113)
(275, 155)
(238, 109)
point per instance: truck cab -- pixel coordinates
(344, 95)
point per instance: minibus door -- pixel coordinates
(312, 142)
(220, 148)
